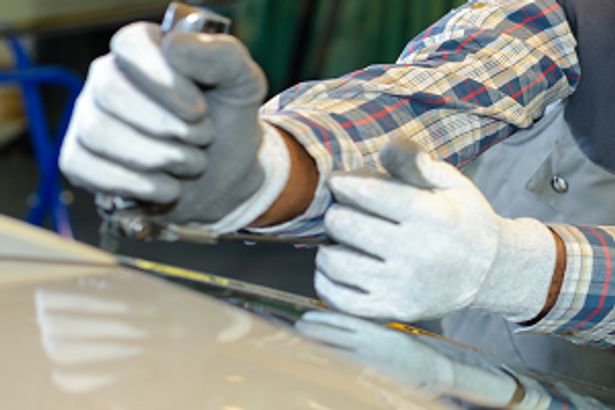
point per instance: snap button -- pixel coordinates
(559, 184)
(477, 5)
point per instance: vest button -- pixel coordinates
(559, 184)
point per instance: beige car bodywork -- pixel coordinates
(79, 331)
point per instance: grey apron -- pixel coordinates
(540, 172)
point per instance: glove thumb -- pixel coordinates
(410, 163)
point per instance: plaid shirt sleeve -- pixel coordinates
(469, 81)
(585, 309)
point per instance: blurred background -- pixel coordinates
(47, 45)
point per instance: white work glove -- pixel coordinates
(143, 128)
(406, 358)
(427, 244)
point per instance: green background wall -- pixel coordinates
(295, 40)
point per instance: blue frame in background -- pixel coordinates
(46, 144)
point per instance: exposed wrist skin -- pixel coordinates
(299, 191)
(556, 281)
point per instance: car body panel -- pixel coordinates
(81, 331)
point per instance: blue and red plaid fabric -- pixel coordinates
(472, 79)
(585, 309)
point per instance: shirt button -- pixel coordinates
(559, 184)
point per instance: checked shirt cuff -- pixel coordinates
(584, 312)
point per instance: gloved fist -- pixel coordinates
(173, 119)
(426, 244)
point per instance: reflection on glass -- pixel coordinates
(408, 355)
(82, 327)
(106, 336)
(98, 335)
(455, 375)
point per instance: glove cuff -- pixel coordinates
(274, 159)
(518, 282)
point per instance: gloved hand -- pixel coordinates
(426, 244)
(408, 359)
(143, 128)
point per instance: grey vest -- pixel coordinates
(541, 173)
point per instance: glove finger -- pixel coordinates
(83, 351)
(341, 297)
(350, 324)
(71, 301)
(68, 326)
(385, 198)
(365, 233)
(96, 174)
(117, 95)
(109, 138)
(409, 162)
(323, 333)
(357, 333)
(349, 267)
(80, 381)
(218, 60)
(139, 55)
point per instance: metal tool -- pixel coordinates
(184, 18)
(124, 218)
(132, 224)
